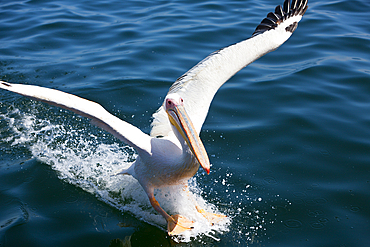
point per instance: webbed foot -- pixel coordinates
(177, 224)
(211, 217)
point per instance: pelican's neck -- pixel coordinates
(187, 156)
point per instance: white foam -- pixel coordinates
(84, 160)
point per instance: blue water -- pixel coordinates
(288, 137)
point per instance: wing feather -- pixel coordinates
(101, 117)
(199, 85)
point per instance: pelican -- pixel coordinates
(173, 151)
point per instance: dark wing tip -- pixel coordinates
(5, 84)
(292, 27)
(297, 7)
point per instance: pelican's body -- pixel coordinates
(173, 151)
(171, 165)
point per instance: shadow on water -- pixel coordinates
(151, 236)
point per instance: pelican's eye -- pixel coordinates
(182, 100)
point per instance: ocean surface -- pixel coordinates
(288, 136)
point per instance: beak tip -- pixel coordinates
(207, 170)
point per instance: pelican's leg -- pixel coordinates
(175, 223)
(211, 217)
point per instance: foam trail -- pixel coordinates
(84, 160)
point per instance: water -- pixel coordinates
(288, 137)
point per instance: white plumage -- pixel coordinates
(173, 151)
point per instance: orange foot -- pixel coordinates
(211, 217)
(178, 224)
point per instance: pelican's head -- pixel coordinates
(174, 106)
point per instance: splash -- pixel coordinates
(83, 157)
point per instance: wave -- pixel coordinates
(83, 158)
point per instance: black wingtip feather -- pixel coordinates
(279, 11)
(5, 84)
(294, 4)
(303, 7)
(273, 16)
(269, 21)
(298, 7)
(286, 7)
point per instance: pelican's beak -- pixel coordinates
(180, 119)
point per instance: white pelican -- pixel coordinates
(173, 151)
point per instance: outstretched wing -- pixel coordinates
(101, 117)
(198, 86)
